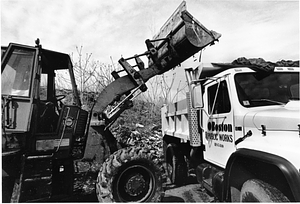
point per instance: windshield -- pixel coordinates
(276, 88)
(15, 77)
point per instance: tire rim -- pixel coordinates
(136, 184)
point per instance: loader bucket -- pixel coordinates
(183, 36)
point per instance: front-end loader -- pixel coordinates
(41, 136)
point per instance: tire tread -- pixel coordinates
(110, 168)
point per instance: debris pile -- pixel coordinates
(264, 65)
(138, 126)
(139, 135)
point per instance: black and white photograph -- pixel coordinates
(167, 101)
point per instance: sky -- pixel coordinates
(114, 28)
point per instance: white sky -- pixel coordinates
(267, 29)
(115, 28)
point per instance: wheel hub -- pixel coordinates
(135, 185)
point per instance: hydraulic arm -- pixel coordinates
(180, 38)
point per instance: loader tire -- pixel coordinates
(130, 175)
(255, 190)
(176, 165)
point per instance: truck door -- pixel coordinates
(218, 123)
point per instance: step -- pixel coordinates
(36, 188)
(45, 156)
(207, 184)
(37, 166)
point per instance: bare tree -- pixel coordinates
(91, 76)
(171, 90)
(163, 89)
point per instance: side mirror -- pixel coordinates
(197, 98)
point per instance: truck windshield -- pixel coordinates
(16, 75)
(276, 88)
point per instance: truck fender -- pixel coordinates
(246, 163)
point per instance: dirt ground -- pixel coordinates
(189, 193)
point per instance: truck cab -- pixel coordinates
(239, 129)
(240, 100)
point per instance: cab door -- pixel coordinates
(218, 123)
(17, 71)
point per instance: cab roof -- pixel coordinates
(51, 60)
(256, 64)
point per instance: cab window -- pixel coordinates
(16, 75)
(220, 103)
(276, 88)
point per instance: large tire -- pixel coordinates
(176, 165)
(130, 175)
(255, 190)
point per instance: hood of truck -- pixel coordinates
(281, 136)
(281, 118)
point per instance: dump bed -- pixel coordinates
(175, 119)
(179, 120)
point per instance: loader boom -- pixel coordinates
(181, 37)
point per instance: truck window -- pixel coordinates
(274, 89)
(222, 102)
(16, 75)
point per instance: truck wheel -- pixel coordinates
(176, 165)
(255, 190)
(130, 175)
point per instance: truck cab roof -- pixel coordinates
(209, 70)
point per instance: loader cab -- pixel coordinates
(32, 81)
(43, 125)
(56, 88)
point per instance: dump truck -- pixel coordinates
(42, 136)
(237, 131)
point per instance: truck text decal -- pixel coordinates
(212, 126)
(222, 137)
